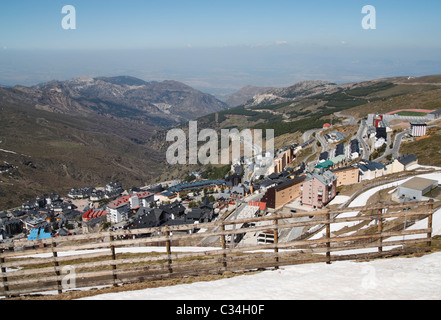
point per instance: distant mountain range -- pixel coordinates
(157, 103)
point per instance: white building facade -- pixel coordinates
(418, 129)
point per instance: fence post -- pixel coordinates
(168, 248)
(112, 251)
(4, 278)
(328, 237)
(380, 230)
(276, 242)
(56, 266)
(224, 246)
(429, 225)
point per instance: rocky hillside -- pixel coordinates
(310, 104)
(243, 95)
(161, 103)
(300, 90)
(88, 132)
(43, 152)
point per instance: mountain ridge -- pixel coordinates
(244, 94)
(168, 102)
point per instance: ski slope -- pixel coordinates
(362, 199)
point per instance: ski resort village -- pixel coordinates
(336, 194)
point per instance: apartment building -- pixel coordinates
(285, 191)
(318, 189)
(347, 175)
(119, 209)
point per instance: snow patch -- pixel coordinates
(8, 151)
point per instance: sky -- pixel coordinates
(218, 46)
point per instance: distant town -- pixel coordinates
(254, 187)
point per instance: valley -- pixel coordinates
(92, 131)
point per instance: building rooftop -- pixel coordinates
(197, 185)
(122, 201)
(407, 158)
(325, 177)
(92, 214)
(261, 205)
(371, 166)
(419, 183)
(325, 164)
(285, 183)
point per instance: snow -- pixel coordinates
(398, 279)
(7, 151)
(122, 250)
(362, 200)
(339, 200)
(419, 167)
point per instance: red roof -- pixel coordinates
(122, 201)
(261, 205)
(326, 125)
(92, 214)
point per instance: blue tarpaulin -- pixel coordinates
(38, 234)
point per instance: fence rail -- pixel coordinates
(127, 256)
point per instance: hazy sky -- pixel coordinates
(218, 46)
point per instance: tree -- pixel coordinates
(190, 178)
(105, 225)
(192, 204)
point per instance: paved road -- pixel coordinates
(397, 144)
(395, 152)
(307, 134)
(325, 147)
(306, 137)
(361, 132)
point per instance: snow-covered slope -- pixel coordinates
(399, 278)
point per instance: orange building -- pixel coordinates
(347, 175)
(283, 193)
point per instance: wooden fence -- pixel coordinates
(127, 256)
